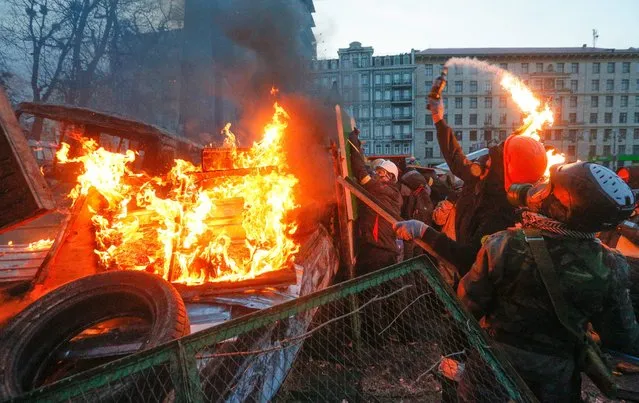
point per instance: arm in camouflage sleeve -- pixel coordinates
(476, 288)
(616, 324)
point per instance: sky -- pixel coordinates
(398, 26)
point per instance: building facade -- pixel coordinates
(594, 95)
(377, 91)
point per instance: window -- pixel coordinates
(611, 67)
(574, 68)
(537, 84)
(607, 134)
(387, 131)
(387, 95)
(622, 134)
(609, 101)
(473, 119)
(364, 95)
(593, 118)
(574, 84)
(503, 66)
(594, 101)
(459, 69)
(387, 78)
(347, 81)
(625, 67)
(459, 86)
(488, 102)
(428, 152)
(429, 136)
(364, 112)
(608, 117)
(592, 151)
(636, 100)
(406, 149)
(502, 135)
(459, 135)
(363, 79)
(387, 112)
(503, 102)
(560, 67)
(636, 117)
(406, 78)
(503, 118)
(560, 84)
(606, 150)
(458, 102)
(593, 134)
(473, 102)
(610, 85)
(396, 78)
(488, 85)
(488, 119)
(635, 149)
(428, 70)
(378, 79)
(572, 117)
(637, 83)
(524, 67)
(539, 68)
(624, 101)
(594, 86)
(595, 68)
(635, 135)
(387, 149)
(549, 84)
(488, 135)
(625, 84)
(473, 135)
(558, 134)
(378, 95)
(573, 101)
(428, 120)
(458, 119)
(473, 86)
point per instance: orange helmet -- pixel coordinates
(524, 160)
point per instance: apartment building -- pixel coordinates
(594, 94)
(378, 91)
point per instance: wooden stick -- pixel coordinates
(369, 200)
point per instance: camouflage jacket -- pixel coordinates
(505, 287)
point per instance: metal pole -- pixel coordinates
(614, 149)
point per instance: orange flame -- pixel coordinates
(535, 117)
(229, 229)
(42, 244)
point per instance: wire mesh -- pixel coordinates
(397, 334)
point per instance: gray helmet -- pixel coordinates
(585, 196)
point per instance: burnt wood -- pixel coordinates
(24, 194)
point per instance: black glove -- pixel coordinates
(353, 138)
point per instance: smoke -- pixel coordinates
(476, 64)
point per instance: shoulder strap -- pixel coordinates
(551, 281)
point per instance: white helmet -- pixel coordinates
(391, 168)
(377, 162)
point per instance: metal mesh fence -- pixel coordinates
(397, 334)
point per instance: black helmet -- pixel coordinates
(583, 195)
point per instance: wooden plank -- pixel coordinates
(24, 194)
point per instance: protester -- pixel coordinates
(417, 205)
(482, 208)
(506, 285)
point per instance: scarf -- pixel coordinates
(552, 227)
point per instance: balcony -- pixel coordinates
(402, 117)
(402, 83)
(401, 100)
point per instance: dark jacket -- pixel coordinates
(373, 229)
(481, 209)
(417, 204)
(505, 287)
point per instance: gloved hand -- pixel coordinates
(436, 107)
(354, 139)
(409, 230)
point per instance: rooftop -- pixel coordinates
(527, 51)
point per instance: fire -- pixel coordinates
(42, 244)
(534, 115)
(190, 230)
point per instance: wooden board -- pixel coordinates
(24, 194)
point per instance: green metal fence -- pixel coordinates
(415, 344)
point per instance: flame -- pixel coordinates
(42, 244)
(10, 244)
(535, 116)
(224, 229)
